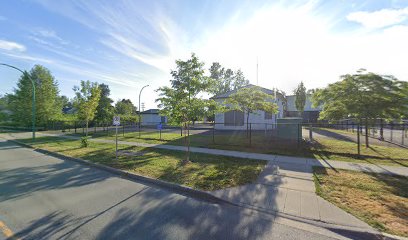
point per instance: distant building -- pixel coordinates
(310, 113)
(152, 117)
(236, 120)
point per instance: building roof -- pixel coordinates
(279, 94)
(291, 106)
(151, 111)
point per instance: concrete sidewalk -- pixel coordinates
(288, 189)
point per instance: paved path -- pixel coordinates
(43, 197)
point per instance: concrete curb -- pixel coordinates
(182, 190)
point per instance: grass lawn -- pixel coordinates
(322, 148)
(378, 199)
(205, 172)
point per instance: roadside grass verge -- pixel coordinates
(322, 148)
(204, 172)
(380, 200)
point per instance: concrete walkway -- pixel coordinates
(289, 189)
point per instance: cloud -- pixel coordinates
(50, 34)
(379, 19)
(11, 46)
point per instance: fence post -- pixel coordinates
(358, 139)
(123, 130)
(181, 130)
(392, 130)
(311, 132)
(382, 130)
(95, 127)
(250, 134)
(213, 133)
(160, 134)
(403, 134)
(75, 126)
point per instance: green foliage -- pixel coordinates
(251, 99)
(86, 101)
(84, 141)
(105, 110)
(363, 96)
(180, 102)
(300, 97)
(48, 103)
(225, 80)
(125, 107)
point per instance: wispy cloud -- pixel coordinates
(26, 57)
(11, 46)
(379, 19)
(49, 34)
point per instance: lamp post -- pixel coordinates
(33, 103)
(140, 93)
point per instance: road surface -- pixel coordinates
(42, 197)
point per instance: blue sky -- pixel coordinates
(128, 44)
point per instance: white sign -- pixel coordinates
(116, 120)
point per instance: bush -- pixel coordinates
(85, 141)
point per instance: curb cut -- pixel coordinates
(182, 190)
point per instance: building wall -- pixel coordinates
(257, 120)
(151, 119)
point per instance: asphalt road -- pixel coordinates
(43, 197)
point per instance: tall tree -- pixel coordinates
(251, 99)
(86, 101)
(221, 79)
(105, 110)
(48, 104)
(363, 96)
(300, 98)
(180, 102)
(239, 80)
(125, 107)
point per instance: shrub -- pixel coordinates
(85, 141)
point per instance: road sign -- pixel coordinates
(116, 120)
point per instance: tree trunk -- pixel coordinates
(366, 130)
(86, 132)
(247, 124)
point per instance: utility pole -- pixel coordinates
(140, 93)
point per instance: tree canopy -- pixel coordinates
(105, 110)
(48, 103)
(251, 99)
(225, 80)
(86, 101)
(300, 98)
(363, 95)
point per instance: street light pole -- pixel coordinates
(140, 93)
(33, 103)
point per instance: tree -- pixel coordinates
(125, 107)
(363, 95)
(4, 106)
(86, 101)
(48, 104)
(300, 98)
(105, 110)
(180, 102)
(251, 99)
(239, 80)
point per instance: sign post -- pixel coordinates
(116, 122)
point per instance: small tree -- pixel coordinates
(180, 102)
(86, 101)
(251, 99)
(105, 110)
(300, 98)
